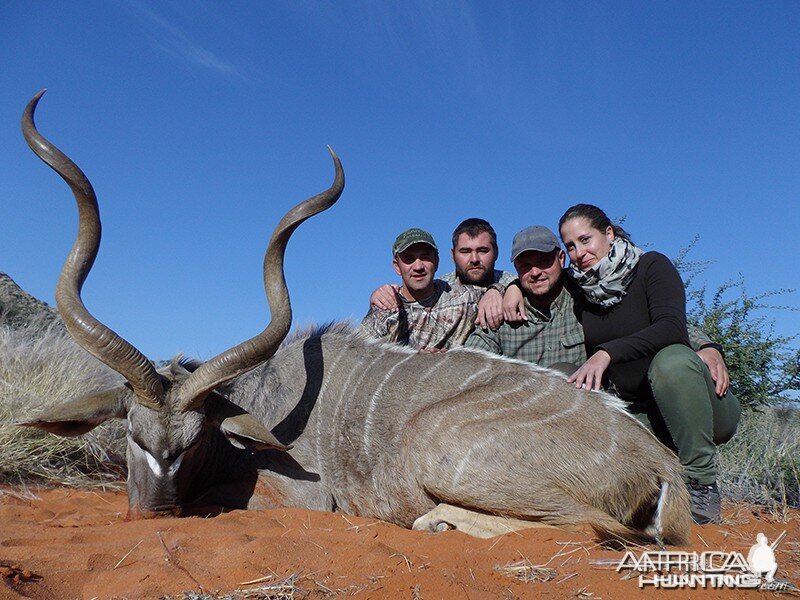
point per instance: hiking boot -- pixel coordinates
(705, 502)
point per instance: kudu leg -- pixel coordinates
(476, 524)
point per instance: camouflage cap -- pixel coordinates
(410, 237)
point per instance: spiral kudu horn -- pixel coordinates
(91, 334)
(256, 350)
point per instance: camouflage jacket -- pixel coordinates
(443, 320)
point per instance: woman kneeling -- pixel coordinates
(634, 324)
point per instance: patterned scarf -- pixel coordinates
(607, 282)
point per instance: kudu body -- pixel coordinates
(361, 426)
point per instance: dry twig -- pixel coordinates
(409, 564)
(259, 580)
(127, 555)
(170, 558)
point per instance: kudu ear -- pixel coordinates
(241, 428)
(244, 431)
(82, 414)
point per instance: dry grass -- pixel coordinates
(282, 590)
(43, 366)
(524, 570)
(761, 464)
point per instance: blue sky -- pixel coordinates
(200, 124)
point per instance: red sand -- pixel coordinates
(77, 544)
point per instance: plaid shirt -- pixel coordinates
(548, 339)
(442, 320)
(542, 339)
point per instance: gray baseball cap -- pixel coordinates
(537, 237)
(410, 237)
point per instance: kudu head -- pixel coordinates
(172, 413)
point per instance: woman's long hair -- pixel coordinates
(596, 217)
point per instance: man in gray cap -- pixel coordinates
(546, 329)
(550, 333)
(432, 315)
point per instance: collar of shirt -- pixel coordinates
(535, 315)
(438, 288)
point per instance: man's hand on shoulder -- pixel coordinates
(514, 305)
(490, 310)
(719, 372)
(386, 297)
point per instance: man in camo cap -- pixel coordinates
(431, 315)
(474, 255)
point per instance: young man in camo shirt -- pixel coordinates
(474, 255)
(431, 314)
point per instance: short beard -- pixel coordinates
(544, 300)
(466, 278)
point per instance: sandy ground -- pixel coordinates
(78, 544)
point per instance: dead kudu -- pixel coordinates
(360, 426)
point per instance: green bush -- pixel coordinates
(763, 365)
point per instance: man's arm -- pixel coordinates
(490, 310)
(699, 340)
(385, 297)
(712, 355)
(514, 304)
(506, 278)
(381, 324)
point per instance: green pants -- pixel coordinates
(687, 414)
